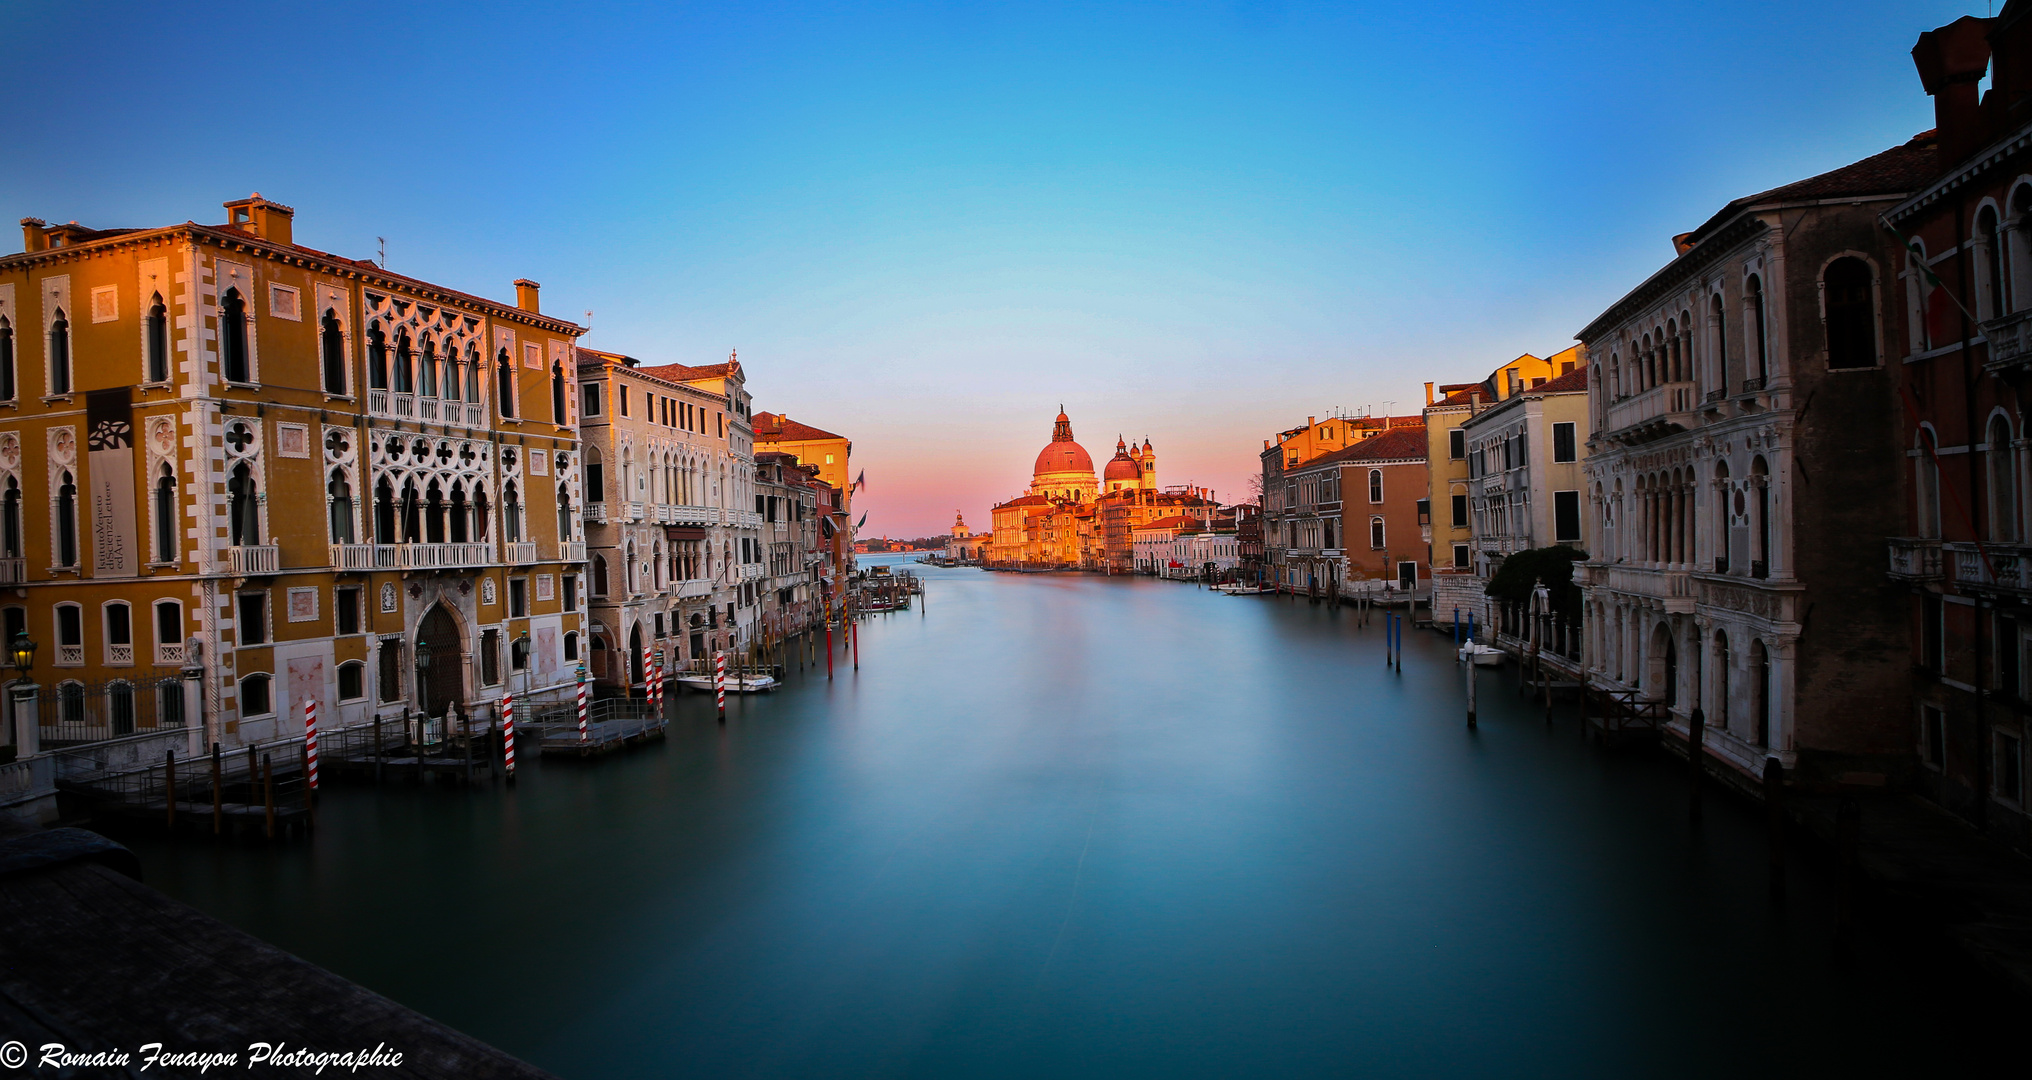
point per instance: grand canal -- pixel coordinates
(1070, 826)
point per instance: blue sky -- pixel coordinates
(924, 226)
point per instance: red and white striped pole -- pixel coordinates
(508, 734)
(656, 686)
(720, 684)
(310, 742)
(585, 730)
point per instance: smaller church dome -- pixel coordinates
(1121, 466)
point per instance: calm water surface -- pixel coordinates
(1071, 826)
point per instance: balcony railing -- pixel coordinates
(632, 511)
(2001, 566)
(169, 653)
(411, 556)
(692, 515)
(405, 406)
(1660, 403)
(520, 552)
(596, 513)
(694, 588)
(249, 560)
(426, 408)
(1668, 585)
(476, 415)
(571, 551)
(751, 571)
(2010, 341)
(1754, 384)
(120, 654)
(13, 571)
(70, 655)
(377, 402)
(1914, 559)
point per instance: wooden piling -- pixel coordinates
(1470, 665)
(309, 795)
(1774, 821)
(268, 790)
(1696, 736)
(218, 799)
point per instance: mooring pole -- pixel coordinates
(1471, 690)
(268, 790)
(1774, 813)
(218, 799)
(1696, 734)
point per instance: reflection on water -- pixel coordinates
(1073, 826)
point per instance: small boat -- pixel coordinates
(1481, 655)
(752, 683)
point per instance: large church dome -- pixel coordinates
(1062, 455)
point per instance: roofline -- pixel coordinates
(368, 275)
(1966, 172)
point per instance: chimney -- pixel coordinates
(1951, 61)
(1682, 243)
(1428, 395)
(270, 221)
(525, 295)
(34, 234)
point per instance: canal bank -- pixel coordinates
(1091, 826)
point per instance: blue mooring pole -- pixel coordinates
(1456, 626)
(1471, 628)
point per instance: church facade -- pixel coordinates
(1073, 519)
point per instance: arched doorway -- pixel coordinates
(444, 684)
(1662, 666)
(635, 655)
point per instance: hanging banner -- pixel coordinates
(109, 463)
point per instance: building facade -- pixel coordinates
(276, 475)
(1742, 464)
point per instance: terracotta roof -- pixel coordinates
(1572, 380)
(1169, 523)
(1024, 500)
(1896, 171)
(1399, 442)
(769, 427)
(686, 372)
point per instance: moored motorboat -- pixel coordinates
(1481, 655)
(737, 683)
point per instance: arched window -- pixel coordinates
(473, 375)
(1760, 692)
(118, 617)
(2018, 249)
(60, 354)
(1720, 718)
(1375, 485)
(511, 514)
(599, 575)
(10, 520)
(1718, 318)
(255, 699)
(242, 512)
(1753, 310)
(571, 645)
(557, 394)
(332, 349)
(450, 388)
(353, 680)
(1760, 534)
(480, 518)
(377, 357)
(155, 340)
(7, 390)
(1851, 314)
(1989, 264)
(339, 497)
(168, 628)
(504, 380)
(564, 515)
(233, 361)
(411, 512)
(461, 514)
(426, 383)
(384, 512)
(1926, 466)
(404, 373)
(66, 520)
(165, 515)
(2003, 469)
(434, 514)
(1721, 517)
(1376, 533)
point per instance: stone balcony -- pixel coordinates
(2010, 339)
(693, 589)
(252, 560)
(571, 551)
(1990, 567)
(751, 571)
(13, 571)
(1672, 586)
(596, 513)
(1914, 559)
(519, 552)
(1660, 411)
(411, 556)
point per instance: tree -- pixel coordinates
(1551, 567)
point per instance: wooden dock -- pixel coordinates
(611, 724)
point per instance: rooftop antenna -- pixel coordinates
(381, 251)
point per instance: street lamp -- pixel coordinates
(422, 674)
(24, 654)
(518, 654)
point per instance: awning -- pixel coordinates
(684, 532)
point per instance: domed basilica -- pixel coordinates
(1072, 518)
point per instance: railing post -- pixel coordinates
(24, 697)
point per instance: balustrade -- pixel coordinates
(1914, 559)
(248, 560)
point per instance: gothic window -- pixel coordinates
(384, 512)
(1753, 303)
(10, 520)
(1989, 264)
(557, 394)
(1721, 651)
(504, 379)
(1718, 315)
(233, 361)
(155, 340)
(564, 515)
(599, 575)
(1760, 480)
(403, 373)
(165, 516)
(451, 372)
(480, 518)
(1851, 314)
(411, 513)
(434, 514)
(66, 520)
(377, 357)
(340, 497)
(6, 359)
(460, 514)
(60, 354)
(511, 514)
(427, 370)
(242, 513)
(472, 375)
